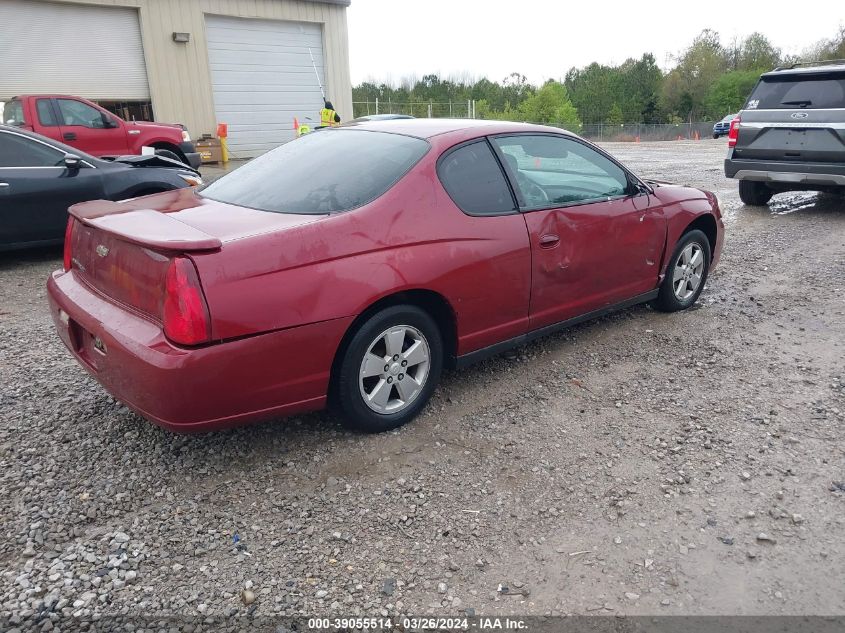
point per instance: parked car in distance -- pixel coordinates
(791, 134)
(86, 126)
(280, 288)
(721, 128)
(40, 178)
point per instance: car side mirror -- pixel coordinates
(109, 122)
(72, 161)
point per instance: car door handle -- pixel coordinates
(4, 188)
(69, 136)
(549, 241)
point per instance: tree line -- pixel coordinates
(709, 80)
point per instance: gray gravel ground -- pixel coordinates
(640, 464)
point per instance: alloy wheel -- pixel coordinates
(689, 269)
(394, 369)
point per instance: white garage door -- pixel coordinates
(262, 78)
(90, 51)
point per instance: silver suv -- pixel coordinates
(791, 134)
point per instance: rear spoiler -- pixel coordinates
(145, 227)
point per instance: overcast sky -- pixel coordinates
(390, 39)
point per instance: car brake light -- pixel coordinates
(68, 234)
(185, 312)
(733, 133)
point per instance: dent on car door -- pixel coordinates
(595, 240)
(491, 289)
(36, 190)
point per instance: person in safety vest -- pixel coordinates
(328, 116)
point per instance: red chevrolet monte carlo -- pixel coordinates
(351, 265)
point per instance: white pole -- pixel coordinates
(376, 105)
(469, 111)
(316, 74)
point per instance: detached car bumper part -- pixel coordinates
(191, 154)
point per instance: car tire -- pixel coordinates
(754, 193)
(686, 273)
(716, 135)
(409, 344)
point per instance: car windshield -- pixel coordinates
(323, 172)
(730, 117)
(796, 91)
(13, 113)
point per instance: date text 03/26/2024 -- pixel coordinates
(418, 623)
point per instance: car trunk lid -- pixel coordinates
(124, 249)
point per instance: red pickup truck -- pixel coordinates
(83, 124)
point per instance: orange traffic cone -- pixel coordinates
(679, 137)
(295, 127)
(636, 139)
(697, 136)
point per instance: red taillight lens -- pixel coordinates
(68, 236)
(185, 313)
(733, 133)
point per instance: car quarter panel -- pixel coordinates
(413, 237)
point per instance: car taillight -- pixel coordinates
(185, 312)
(733, 133)
(68, 236)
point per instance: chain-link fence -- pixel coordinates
(632, 132)
(419, 109)
(646, 131)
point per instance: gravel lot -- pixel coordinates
(640, 464)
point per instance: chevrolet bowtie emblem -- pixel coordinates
(102, 251)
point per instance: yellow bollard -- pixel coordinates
(224, 150)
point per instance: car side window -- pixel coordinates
(77, 113)
(45, 113)
(474, 180)
(552, 171)
(20, 151)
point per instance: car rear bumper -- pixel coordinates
(821, 174)
(199, 389)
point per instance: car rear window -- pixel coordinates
(326, 171)
(791, 92)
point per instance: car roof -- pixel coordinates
(428, 128)
(820, 69)
(382, 117)
(67, 149)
